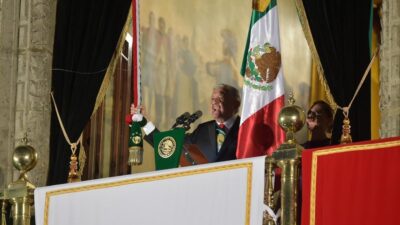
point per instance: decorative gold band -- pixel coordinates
(113, 63)
(307, 33)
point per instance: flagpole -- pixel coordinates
(136, 75)
(135, 141)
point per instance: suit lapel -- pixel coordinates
(212, 134)
(209, 144)
(230, 137)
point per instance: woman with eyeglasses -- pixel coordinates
(319, 122)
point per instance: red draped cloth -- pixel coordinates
(354, 184)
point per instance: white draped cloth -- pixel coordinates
(226, 193)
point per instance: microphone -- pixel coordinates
(181, 119)
(194, 116)
(191, 119)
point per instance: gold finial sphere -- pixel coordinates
(24, 158)
(291, 118)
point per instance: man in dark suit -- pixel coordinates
(216, 139)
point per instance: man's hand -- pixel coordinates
(137, 114)
(138, 110)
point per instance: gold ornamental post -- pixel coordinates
(20, 192)
(3, 209)
(288, 158)
(270, 197)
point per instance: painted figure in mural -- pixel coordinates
(225, 70)
(148, 54)
(154, 66)
(169, 70)
(187, 70)
(160, 76)
(187, 63)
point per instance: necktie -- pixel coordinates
(221, 134)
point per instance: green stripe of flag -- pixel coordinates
(255, 16)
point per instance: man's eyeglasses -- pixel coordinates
(313, 115)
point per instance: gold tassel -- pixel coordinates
(113, 63)
(135, 156)
(301, 12)
(73, 175)
(346, 137)
(81, 157)
(135, 143)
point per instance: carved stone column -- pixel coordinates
(9, 20)
(390, 69)
(26, 68)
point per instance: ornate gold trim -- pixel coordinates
(352, 148)
(113, 63)
(307, 33)
(107, 77)
(81, 156)
(248, 166)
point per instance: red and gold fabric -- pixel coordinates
(353, 184)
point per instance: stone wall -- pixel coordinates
(9, 16)
(390, 69)
(26, 43)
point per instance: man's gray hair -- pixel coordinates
(230, 91)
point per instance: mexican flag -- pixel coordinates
(263, 86)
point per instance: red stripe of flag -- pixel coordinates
(261, 134)
(135, 55)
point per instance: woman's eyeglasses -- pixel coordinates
(313, 115)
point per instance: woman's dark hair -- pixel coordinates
(326, 108)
